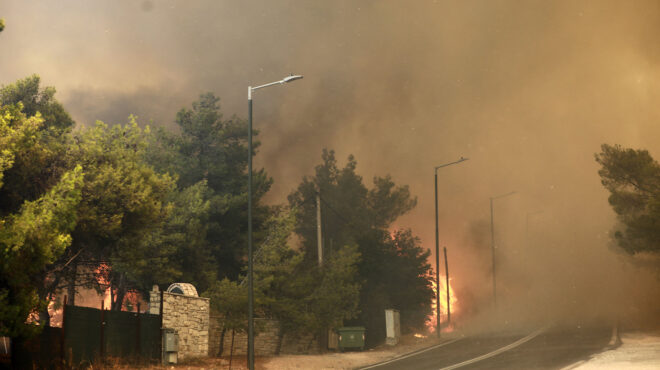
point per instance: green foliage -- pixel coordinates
(182, 239)
(40, 165)
(124, 203)
(32, 238)
(355, 215)
(229, 299)
(211, 149)
(632, 177)
(35, 99)
(336, 295)
(303, 298)
(17, 134)
(397, 274)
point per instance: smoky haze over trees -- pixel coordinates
(118, 208)
(527, 90)
(633, 179)
(394, 270)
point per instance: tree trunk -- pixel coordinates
(309, 344)
(323, 341)
(222, 341)
(280, 339)
(44, 315)
(46, 293)
(231, 348)
(121, 293)
(71, 283)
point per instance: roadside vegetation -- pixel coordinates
(125, 207)
(632, 177)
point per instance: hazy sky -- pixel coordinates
(528, 90)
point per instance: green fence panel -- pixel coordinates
(120, 334)
(150, 336)
(126, 335)
(82, 334)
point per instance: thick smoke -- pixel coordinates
(527, 90)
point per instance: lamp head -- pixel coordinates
(291, 78)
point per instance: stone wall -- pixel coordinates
(189, 316)
(265, 340)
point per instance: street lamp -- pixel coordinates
(492, 241)
(437, 247)
(250, 280)
(527, 225)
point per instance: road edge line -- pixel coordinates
(410, 354)
(497, 351)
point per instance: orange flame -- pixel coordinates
(453, 304)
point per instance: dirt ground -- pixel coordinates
(330, 360)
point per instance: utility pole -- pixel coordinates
(437, 245)
(250, 333)
(319, 238)
(492, 242)
(492, 251)
(527, 226)
(437, 260)
(447, 285)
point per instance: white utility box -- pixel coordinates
(392, 327)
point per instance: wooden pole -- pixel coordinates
(63, 338)
(137, 334)
(162, 345)
(319, 238)
(447, 285)
(102, 351)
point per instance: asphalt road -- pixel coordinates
(549, 349)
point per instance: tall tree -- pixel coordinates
(39, 166)
(303, 298)
(352, 214)
(182, 239)
(34, 236)
(124, 202)
(632, 177)
(213, 149)
(36, 99)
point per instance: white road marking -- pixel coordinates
(497, 351)
(411, 354)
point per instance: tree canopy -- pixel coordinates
(302, 297)
(122, 207)
(393, 270)
(212, 149)
(632, 177)
(124, 202)
(35, 235)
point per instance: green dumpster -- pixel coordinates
(351, 337)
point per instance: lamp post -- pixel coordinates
(492, 241)
(437, 246)
(527, 225)
(250, 279)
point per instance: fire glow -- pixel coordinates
(453, 303)
(89, 297)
